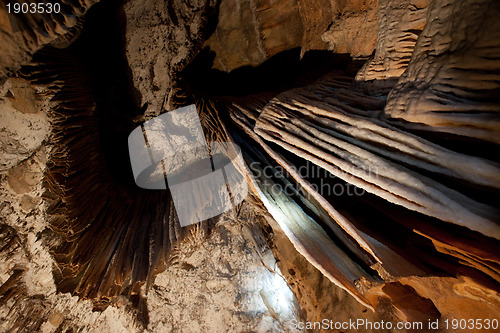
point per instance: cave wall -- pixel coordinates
(429, 67)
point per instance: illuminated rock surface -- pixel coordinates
(376, 121)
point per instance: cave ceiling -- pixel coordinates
(377, 121)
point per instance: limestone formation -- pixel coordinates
(369, 132)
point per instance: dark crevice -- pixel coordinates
(454, 142)
(100, 50)
(284, 71)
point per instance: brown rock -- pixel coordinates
(399, 24)
(451, 84)
(161, 37)
(22, 34)
(23, 177)
(353, 29)
(23, 96)
(29, 202)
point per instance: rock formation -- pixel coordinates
(370, 136)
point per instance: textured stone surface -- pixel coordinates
(399, 25)
(23, 34)
(353, 29)
(451, 84)
(250, 32)
(419, 245)
(215, 284)
(24, 124)
(161, 37)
